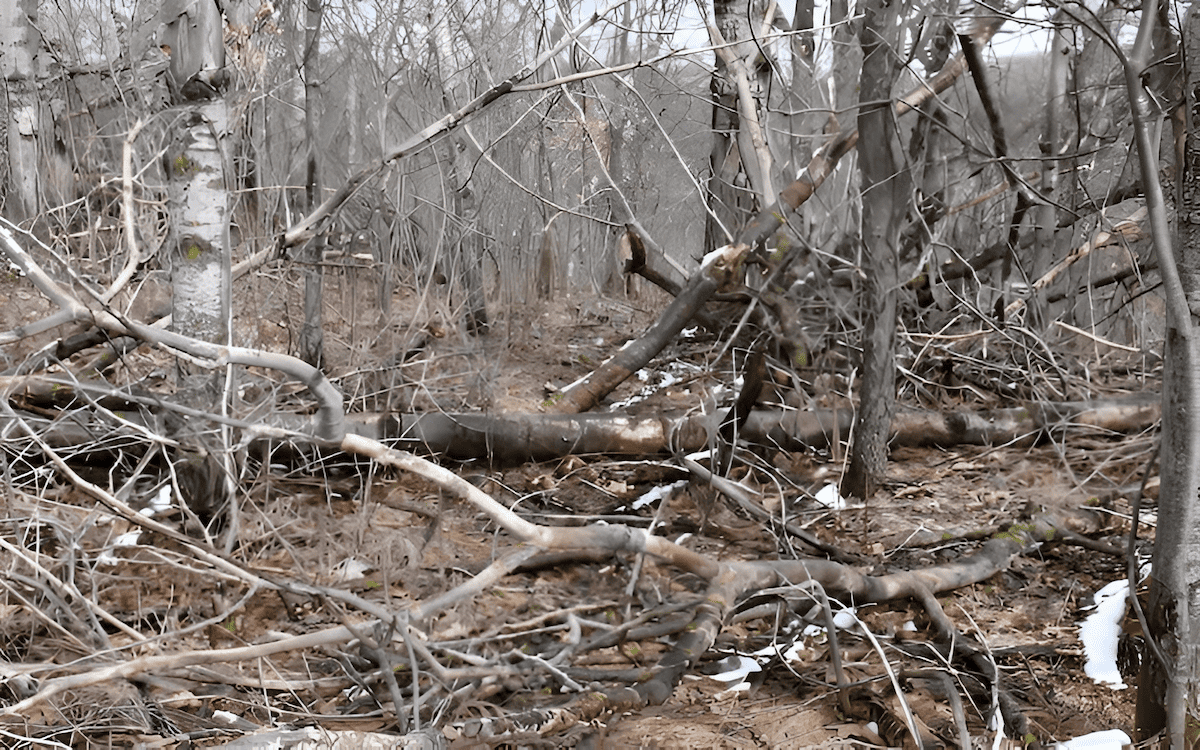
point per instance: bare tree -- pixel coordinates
(472, 138)
(740, 162)
(1170, 673)
(885, 196)
(312, 334)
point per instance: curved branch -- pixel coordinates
(330, 414)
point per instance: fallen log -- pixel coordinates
(516, 438)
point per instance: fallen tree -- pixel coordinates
(516, 438)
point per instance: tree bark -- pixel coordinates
(467, 258)
(1170, 670)
(200, 263)
(198, 175)
(838, 211)
(731, 197)
(517, 438)
(1046, 215)
(312, 334)
(19, 41)
(885, 200)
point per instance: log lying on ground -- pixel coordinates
(516, 438)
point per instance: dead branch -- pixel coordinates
(719, 269)
(728, 584)
(743, 498)
(750, 138)
(1124, 231)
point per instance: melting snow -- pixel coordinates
(831, 498)
(1099, 632)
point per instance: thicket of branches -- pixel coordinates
(585, 138)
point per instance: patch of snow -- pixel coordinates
(790, 655)
(830, 497)
(736, 667)
(812, 631)
(658, 493)
(349, 570)
(161, 502)
(714, 256)
(1099, 632)
(1109, 739)
(670, 376)
(845, 618)
(128, 539)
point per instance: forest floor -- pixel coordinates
(394, 540)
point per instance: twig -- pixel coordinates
(909, 719)
(956, 704)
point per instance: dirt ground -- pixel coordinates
(393, 540)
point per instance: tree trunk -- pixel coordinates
(467, 259)
(18, 48)
(1046, 215)
(199, 178)
(312, 334)
(884, 198)
(835, 213)
(470, 256)
(731, 198)
(200, 263)
(199, 192)
(1170, 673)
